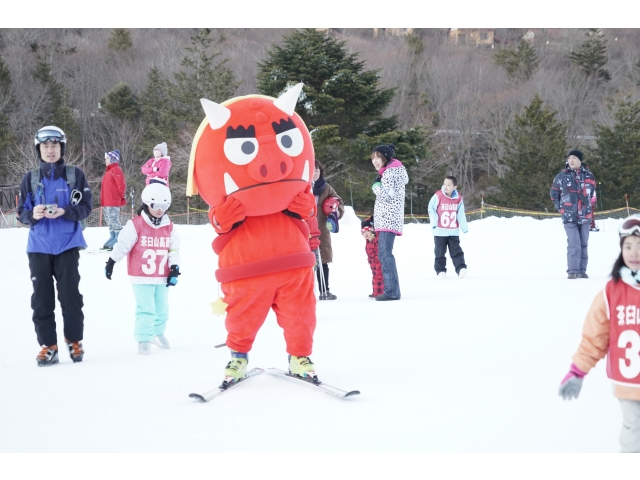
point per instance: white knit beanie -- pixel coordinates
(162, 147)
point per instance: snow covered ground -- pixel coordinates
(467, 365)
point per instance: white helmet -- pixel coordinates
(630, 226)
(50, 134)
(156, 195)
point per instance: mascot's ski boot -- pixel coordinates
(303, 368)
(236, 369)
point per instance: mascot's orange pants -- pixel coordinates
(289, 293)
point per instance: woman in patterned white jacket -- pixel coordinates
(388, 213)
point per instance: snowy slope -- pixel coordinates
(467, 365)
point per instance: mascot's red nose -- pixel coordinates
(271, 166)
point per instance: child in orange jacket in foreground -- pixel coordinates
(612, 329)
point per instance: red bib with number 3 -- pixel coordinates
(623, 358)
(149, 256)
(448, 210)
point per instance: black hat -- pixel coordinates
(367, 225)
(387, 151)
(577, 153)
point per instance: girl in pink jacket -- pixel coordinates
(157, 168)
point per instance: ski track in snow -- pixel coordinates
(467, 365)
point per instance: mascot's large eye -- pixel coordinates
(241, 151)
(291, 142)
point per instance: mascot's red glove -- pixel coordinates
(228, 212)
(314, 243)
(314, 233)
(304, 204)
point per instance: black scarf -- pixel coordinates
(319, 186)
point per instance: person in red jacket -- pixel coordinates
(112, 196)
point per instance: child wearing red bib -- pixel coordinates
(612, 329)
(447, 217)
(150, 243)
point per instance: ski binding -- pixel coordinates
(211, 394)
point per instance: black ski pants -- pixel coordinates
(64, 268)
(325, 274)
(455, 252)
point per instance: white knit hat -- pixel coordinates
(162, 147)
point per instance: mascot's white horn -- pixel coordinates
(217, 115)
(287, 101)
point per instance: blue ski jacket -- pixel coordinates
(54, 236)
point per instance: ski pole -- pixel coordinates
(133, 201)
(322, 285)
(319, 272)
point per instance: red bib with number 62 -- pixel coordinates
(448, 210)
(623, 358)
(149, 256)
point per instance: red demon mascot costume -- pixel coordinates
(252, 161)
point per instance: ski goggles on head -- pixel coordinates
(159, 206)
(630, 226)
(44, 136)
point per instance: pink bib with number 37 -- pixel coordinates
(149, 257)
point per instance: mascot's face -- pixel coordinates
(255, 148)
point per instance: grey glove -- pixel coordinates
(570, 389)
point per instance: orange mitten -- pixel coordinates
(304, 204)
(229, 211)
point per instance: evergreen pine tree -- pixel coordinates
(337, 88)
(121, 103)
(55, 109)
(204, 78)
(615, 160)
(519, 63)
(155, 104)
(591, 56)
(529, 60)
(7, 103)
(343, 105)
(534, 150)
(120, 39)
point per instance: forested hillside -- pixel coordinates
(498, 116)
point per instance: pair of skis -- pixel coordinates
(254, 372)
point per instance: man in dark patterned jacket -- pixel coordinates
(571, 193)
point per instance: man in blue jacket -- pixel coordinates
(571, 193)
(54, 198)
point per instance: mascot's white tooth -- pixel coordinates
(229, 185)
(287, 101)
(305, 172)
(216, 114)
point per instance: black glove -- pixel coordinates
(108, 270)
(172, 279)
